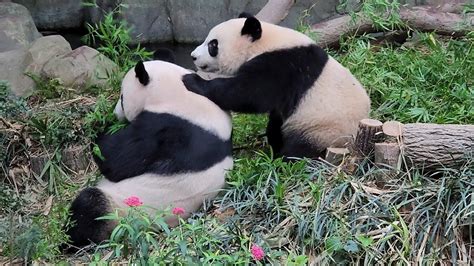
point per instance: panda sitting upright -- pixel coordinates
(174, 153)
(313, 101)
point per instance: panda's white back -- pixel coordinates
(167, 94)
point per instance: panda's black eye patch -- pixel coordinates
(212, 46)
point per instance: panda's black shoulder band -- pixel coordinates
(141, 73)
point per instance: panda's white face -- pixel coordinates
(224, 50)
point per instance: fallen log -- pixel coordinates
(275, 11)
(432, 145)
(421, 18)
(422, 146)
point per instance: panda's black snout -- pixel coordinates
(194, 58)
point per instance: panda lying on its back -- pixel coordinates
(175, 152)
(313, 102)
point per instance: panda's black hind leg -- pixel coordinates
(296, 146)
(90, 204)
(273, 132)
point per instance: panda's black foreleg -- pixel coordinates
(245, 93)
(273, 132)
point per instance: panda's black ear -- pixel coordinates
(253, 28)
(245, 15)
(141, 73)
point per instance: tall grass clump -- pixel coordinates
(384, 14)
(373, 217)
(112, 37)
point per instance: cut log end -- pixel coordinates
(371, 122)
(336, 156)
(392, 131)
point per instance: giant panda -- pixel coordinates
(313, 102)
(174, 153)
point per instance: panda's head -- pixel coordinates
(234, 42)
(227, 44)
(152, 82)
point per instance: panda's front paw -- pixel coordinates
(194, 83)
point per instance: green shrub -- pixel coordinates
(112, 36)
(10, 106)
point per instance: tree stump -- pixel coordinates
(37, 163)
(335, 156)
(392, 131)
(75, 158)
(387, 155)
(366, 136)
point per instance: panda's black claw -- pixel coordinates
(194, 83)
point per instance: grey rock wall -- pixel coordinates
(55, 14)
(165, 20)
(174, 20)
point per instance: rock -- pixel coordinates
(176, 20)
(17, 29)
(156, 27)
(44, 49)
(95, 14)
(55, 14)
(317, 11)
(12, 66)
(192, 20)
(83, 66)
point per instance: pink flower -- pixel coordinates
(178, 211)
(133, 201)
(257, 252)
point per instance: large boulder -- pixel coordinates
(17, 29)
(176, 20)
(192, 20)
(156, 27)
(83, 66)
(12, 67)
(55, 14)
(44, 49)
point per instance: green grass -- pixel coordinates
(429, 82)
